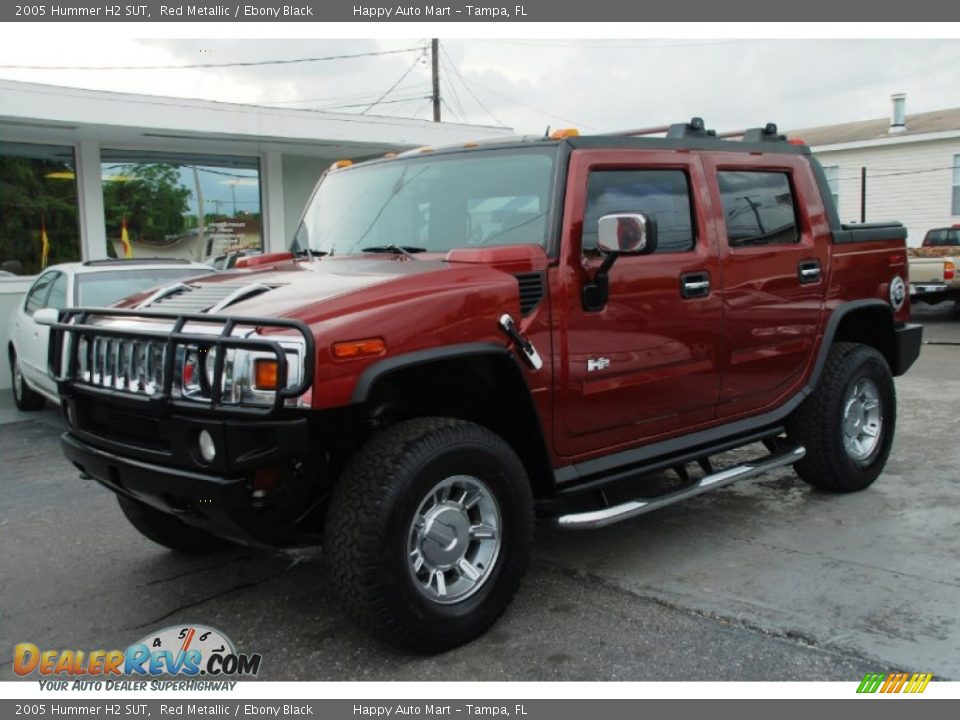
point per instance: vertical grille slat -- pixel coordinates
(134, 366)
(531, 291)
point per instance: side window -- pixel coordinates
(37, 297)
(57, 299)
(664, 194)
(758, 207)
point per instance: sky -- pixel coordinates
(529, 84)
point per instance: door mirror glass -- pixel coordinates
(627, 234)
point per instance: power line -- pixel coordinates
(612, 45)
(407, 98)
(376, 102)
(453, 90)
(251, 63)
(529, 107)
(453, 66)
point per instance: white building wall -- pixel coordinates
(910, 182)
(300, 175)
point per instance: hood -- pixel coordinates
(290, 288)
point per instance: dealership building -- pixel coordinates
(244, 173)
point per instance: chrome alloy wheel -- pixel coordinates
(862, 420)
(454, 539)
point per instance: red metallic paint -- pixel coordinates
(676, 365)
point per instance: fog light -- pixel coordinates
(208, 449)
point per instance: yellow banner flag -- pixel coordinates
(45, 245)
(125, 239)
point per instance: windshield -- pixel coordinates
(432, 203)
(101, 289)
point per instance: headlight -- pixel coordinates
(248, 377)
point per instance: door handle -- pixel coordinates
(809, 271)
(694, 285)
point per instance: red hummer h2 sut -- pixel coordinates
(462, 339)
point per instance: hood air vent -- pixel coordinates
(531, 291)
(202, 298)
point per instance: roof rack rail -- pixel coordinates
(696, 128)
(142, 260)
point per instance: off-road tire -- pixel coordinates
(168, 530)
(23, 397)
(818, 423)
(368, 529)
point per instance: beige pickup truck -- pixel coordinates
(933, 267)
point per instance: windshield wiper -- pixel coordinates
(308, 253)
(399, 249)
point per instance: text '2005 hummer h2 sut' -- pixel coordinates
(464, 338)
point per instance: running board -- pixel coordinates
(624, 511)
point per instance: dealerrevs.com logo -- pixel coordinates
(181, 650)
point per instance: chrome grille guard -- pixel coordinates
(163, 346)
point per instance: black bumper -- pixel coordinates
(218, 504)
(908, 339)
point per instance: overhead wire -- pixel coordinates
(389, 90)
(191, 66)
(456, 72)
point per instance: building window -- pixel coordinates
(663, 194)
(758, 207)
(832, 173)
(38, 207)
(195, 207)
(955, 209)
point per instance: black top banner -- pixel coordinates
(484, 11)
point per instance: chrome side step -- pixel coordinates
(632, 508)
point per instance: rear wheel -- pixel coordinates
(847, 424)
(23, 396)
(169, 531)
(429, 532)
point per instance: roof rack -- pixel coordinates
(133, 261)
(696, 128)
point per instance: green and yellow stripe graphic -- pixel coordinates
(894, 682)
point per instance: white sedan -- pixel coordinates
(96, 283)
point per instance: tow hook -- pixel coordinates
(526, 348)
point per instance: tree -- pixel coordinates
(34, 191)
(150, 197)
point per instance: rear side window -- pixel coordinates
(758, 207)
(663, 194)
(942, 237)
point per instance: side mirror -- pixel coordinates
(627, 234)
(46, 316)
(618, 234)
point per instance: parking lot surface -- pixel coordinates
(763, 580)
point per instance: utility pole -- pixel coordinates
(435, 60)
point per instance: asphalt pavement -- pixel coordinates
(763, 580)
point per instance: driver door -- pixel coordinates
(647, 363)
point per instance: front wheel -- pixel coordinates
(847, 424)
(429, 532)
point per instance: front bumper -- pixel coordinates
(908, 339)
(216, 503)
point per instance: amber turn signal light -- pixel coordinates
(564, 133)
(359, 348)
(265, 374)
